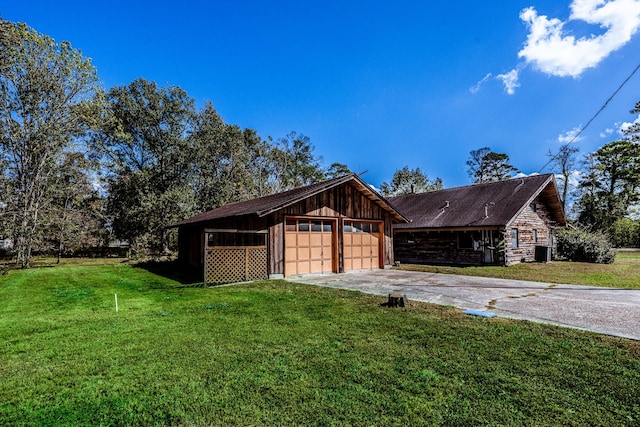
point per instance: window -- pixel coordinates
(236, 239)
(514, 237)
(303, 226)
(535, 236)
(465, 240)
(361, 227)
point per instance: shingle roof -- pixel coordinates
(465, 206)
(268, 204)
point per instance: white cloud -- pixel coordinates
(575, 176)
(476, 88)
(510, 81)
(606, 133)
(553, 51)
(570, 136)
(626, 125)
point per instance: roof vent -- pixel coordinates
(486, 208)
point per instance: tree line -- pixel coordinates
(82, 167)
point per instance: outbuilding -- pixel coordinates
(333, 226)
(494, 223)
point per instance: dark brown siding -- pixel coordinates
(441, 247)
(190, 237)
(342, 202)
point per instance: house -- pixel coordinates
(495, 223)
(333, 226)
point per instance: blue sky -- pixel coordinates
(376, 85)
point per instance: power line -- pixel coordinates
(594, 116)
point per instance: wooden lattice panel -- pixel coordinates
(257, 263)
(235, 264)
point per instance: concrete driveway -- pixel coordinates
(604, 310)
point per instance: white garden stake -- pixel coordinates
(116, 295)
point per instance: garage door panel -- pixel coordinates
(309, 246)
(303, 267)
(316, 252)
(291, 253)
(316, 266)
(303, 239)
(366, 263)
(361, 245)
(302, 254)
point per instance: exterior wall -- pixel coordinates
(340, 203)
(191, 237)
(444, 247)
(533, 217)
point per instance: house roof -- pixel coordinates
(266, 205)
(479, 205)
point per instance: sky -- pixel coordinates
(377, 85)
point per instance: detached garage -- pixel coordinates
(330, 227)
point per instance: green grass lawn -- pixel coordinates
(623, 273)
(278, 353)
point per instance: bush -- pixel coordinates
(584, 246)
(625, 233)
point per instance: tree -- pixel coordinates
(485, 165)
(625, 233)
(611, 184)
(46, 90)
(229, 163)
(147, 155)
(294, 164)
(338, 169)
(632, 133)
(408, 181)
(564, 162)
(74, 219)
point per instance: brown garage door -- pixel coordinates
(309, 246)
(361, 245)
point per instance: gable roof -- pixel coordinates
(479, 205)
(266, 205)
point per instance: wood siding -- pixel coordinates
(343, 202)
(436, 246)
(443, 247)
(533, 217)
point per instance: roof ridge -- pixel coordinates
(475, 185)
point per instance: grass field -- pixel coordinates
(277, 353)
(623, 273)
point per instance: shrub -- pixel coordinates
(585, 246)
(625, 233)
